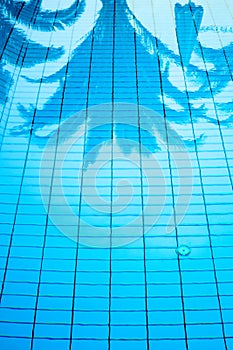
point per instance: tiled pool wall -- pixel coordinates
(142, 92)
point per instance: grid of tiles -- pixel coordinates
(56, 293)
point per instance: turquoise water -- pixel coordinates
(116, 203)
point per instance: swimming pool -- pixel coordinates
(116, 175)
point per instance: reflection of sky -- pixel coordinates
(48, 77)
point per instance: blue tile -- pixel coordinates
(116, 148)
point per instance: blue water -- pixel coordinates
(116, 203)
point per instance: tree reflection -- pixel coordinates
(16, 46)
(188, 21)
(159, 70)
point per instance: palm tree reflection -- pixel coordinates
(150, 52)
(29, 53)
(188, 21)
